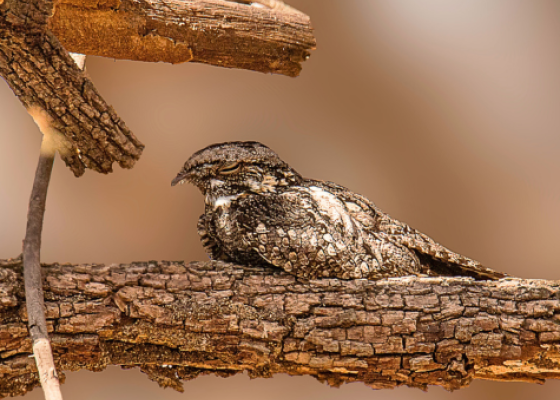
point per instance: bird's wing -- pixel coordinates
(435, 258)
(309, 232)
(289, 230)
(438, 260)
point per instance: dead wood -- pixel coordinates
(53, 88)
(176, 321)
(272, 38)
(36, 34)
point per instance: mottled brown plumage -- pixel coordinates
(260, 210)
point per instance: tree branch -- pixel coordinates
(274, 38)
(44, 77)
(178, 321)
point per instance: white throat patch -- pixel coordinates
(221, 201)
(224, 201)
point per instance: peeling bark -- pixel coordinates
(273, 38)
(176, 321)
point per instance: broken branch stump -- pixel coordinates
(176, 321)
(223, 33)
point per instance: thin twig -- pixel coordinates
(34, 298)
(32, 243)
(32, 273)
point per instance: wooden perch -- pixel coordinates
(217, 32)
(176, 321)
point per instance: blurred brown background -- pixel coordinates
(444, 113)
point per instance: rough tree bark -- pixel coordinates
(176, 321)
(35, 34)
(45, 78)
(224, 33)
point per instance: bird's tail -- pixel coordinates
(462, 267)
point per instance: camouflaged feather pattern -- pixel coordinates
(259, 210)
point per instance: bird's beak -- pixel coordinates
(181, 178)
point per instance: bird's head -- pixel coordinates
(235, 168)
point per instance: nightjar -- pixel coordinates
(259, 211)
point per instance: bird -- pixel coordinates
(260, 211)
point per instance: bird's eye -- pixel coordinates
(229, 168)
